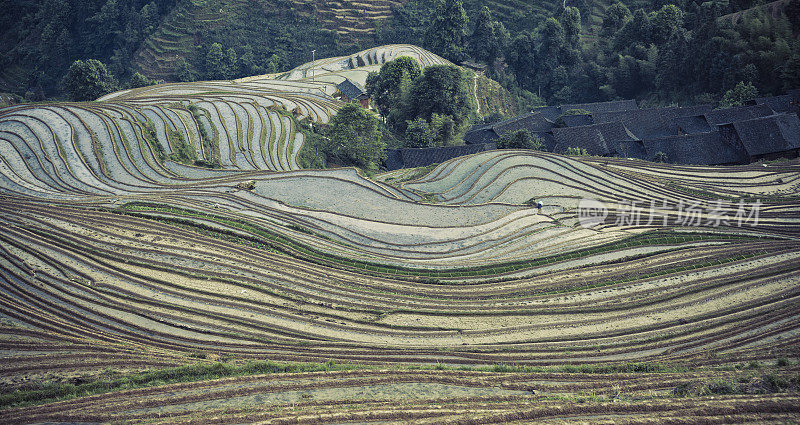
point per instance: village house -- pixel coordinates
(351, 91)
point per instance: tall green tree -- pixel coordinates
(523, 60)
(107, 26)
(738, 95)
(617, 15)
(418, 134)
(441, 90)
(550, 57)
(571, 22)
(636, 31)
(390, 85)
(448, 29)
(231, 63)
(355, 138)
(791, 73)
(184, 71)
(88, 80)
(672, 66)
(216, 67)
(490, 38)
(665, 22)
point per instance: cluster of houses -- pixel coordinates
(765, 129)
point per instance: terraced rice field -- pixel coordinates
(352, 19)
(424, 296)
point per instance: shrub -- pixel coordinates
(520, 139)
(575, 151)
(738, 95)
(88, 80)
(682, 390)
(138, 80)
(355, 138)
(718, 388)
(418, 134)
(183, 152)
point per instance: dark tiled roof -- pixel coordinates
(394, 160)
(607, 139)
(550, 112)
(650, 123)
(738, 113)
(696, 149)
(587, 137)
(553, 112)
(611, 106)
(773, 134)
(577, 120)
(691, 125)
(780, 103)
(548, 140)
(410, 158)
(617, 132)
(351, 89)
(483, 134)
(533, 122)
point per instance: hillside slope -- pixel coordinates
(177, 37)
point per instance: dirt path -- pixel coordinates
(475, 92)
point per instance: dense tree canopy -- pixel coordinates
(46, 37)
(520, 139)
(425, 108)
(664, 52)
(88, 80)
(41, 39)
(489, 39)
(354, 138)
(388, 86)
(448, 29)
(442, 90)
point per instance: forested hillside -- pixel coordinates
(661, 52)
(174, 40)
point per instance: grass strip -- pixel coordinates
(57, 391)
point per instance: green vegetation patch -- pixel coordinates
(182, 151)
(53, 391)
(150, 136)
